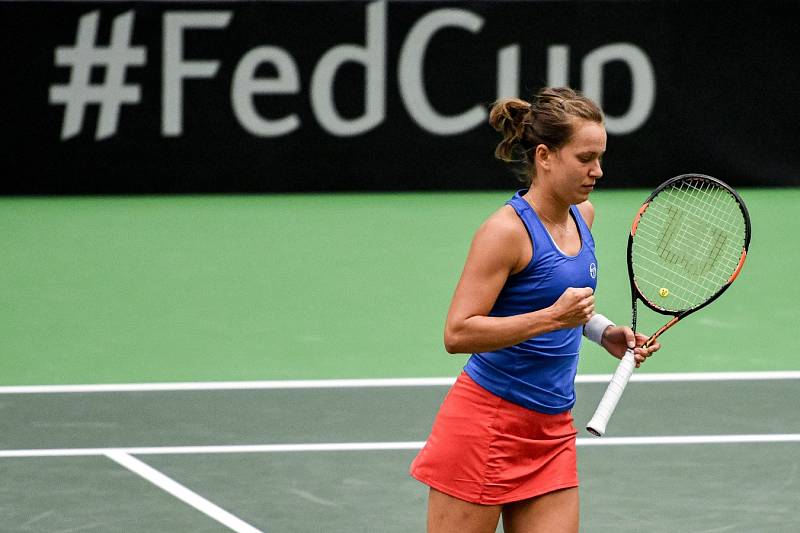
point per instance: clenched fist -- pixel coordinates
(574, 307)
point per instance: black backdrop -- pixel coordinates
(272, 96)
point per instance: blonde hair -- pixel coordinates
(548, 120)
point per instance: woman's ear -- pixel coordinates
(543, 156)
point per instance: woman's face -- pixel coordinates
(576, 165)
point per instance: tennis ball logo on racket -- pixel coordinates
(663, 292)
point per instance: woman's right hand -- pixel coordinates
(574, 307)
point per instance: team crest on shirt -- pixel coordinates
(593, 270)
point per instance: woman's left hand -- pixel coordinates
(618, 339)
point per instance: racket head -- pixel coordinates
(687, 244)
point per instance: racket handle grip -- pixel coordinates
(597, 425)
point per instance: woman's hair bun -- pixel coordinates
(509, 116)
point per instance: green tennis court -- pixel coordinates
(174, 295)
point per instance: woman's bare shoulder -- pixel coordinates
(504, 224)
(587, 212)
(500, 241)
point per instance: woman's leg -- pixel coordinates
(447, 514)
(554, 512)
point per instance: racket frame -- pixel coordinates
(637, 294)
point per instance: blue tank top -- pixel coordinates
(538, 373)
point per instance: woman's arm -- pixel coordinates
(498, 249)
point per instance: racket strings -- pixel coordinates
(684, 243)
(710, 213)
(689, 296)
(688, 241)
(709, 202)
(713, 216)
(693, 290)
(712, 252)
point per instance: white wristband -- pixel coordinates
(595, 327)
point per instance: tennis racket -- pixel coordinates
(687, 244)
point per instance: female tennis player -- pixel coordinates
(503, 443)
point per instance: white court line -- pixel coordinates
(182, 493)
(246, 448)
(391, 382)
(382, 446)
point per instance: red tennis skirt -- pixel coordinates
(486, 450)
